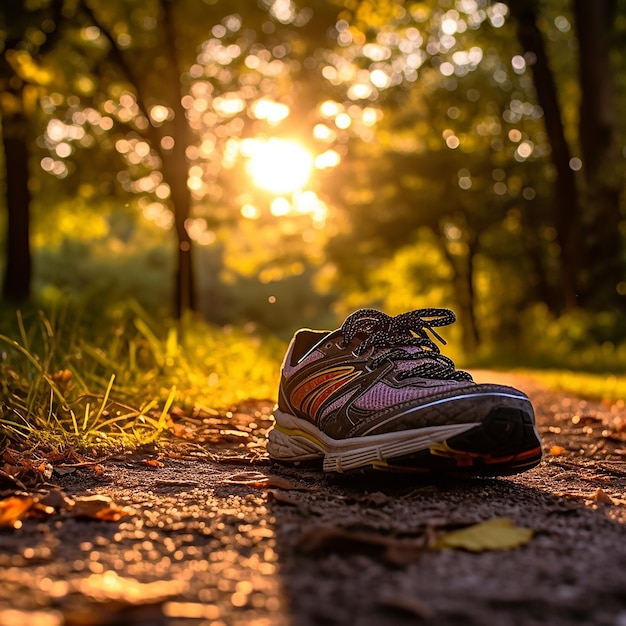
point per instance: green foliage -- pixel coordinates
(107, 270)
(414, 277)
(70, 380)
(577, 341)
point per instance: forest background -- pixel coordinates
(187, 182)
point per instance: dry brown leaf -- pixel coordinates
(153, 463)
(183, 431)
(13, 509)
(57, 499)
(283, 498)
(6, 477)
(9, 456)
(407, 604)
(257, 479)
(100, 508)
(277, 482)
(603, 497)
(62, 470)
(230, 434)
(338, 540)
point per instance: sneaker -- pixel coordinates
(377, 393)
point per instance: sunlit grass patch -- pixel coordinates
(111, 382)
(607, 387)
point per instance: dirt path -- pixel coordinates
(226, 538)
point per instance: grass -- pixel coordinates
(68, 381)
(76, 381)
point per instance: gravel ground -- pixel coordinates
(210, 532)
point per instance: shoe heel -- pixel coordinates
(285, 442)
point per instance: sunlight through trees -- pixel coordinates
(275, 156)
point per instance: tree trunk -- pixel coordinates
(464, 291)
(18, 269)
(540, 276)
(567, 212)
(600, 152)
(175, 175)
(174, 162)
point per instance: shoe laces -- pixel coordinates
(394, 335)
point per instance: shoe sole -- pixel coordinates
(505, 442)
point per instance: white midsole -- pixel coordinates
(295, 439)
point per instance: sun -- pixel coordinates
(280, 166)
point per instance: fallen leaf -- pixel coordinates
(378, 498)
(62, 470)
(495, 534)
(6, 477)
(277, 482)
(557, 450)
(407, 604)
(603, 497)
(15, 617)
(230, 434)
(100, 508)
(62, 377)
(339, 540)
(283, 498)
(183, 431)
(153, 463)
(13, 510)
(257, 479)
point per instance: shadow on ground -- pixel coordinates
(200, 547)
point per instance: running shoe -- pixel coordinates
(378, 393)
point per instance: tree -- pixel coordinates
(454, 151)
(28, 36)
(604, 256)
(181, 99)
(567, 209)
(415, 66)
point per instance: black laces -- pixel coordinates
(379, 330)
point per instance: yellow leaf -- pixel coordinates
(496, 534)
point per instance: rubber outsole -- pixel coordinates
(504, 443)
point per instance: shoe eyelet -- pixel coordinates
(328, 345)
